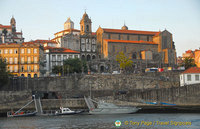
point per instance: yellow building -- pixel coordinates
(23, 59)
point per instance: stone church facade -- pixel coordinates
(157, 47)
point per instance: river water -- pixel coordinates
(128, 121)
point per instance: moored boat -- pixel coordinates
(108, 108)
(66, 111)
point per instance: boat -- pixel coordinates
(21, 113)
(66, 111)
(108, 108)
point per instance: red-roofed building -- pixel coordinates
(54, 56)
(134, 43)
(190, 76)
(194, 55)
(8, 33)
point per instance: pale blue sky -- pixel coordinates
(40, 19)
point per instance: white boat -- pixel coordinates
(108, 108)
(66, 111)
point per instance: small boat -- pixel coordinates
(66, 111)
(108, 108)
(21, 114)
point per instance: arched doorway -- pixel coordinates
(88, 57)
(93, 57)
(35, 75)
(83, 57)
(22, 75)
(29, 75)
(134, 55)
(102, 69)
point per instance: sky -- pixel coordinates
(40, 19)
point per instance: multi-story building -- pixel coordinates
(23, 59)
(8, 33)
(159, 45)
(54, 56)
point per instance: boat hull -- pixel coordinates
(105, 111)
(22, 115)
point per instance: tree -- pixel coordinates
(57, 69)
(4, 75)
(124, 62)
(188, 62)
(75, 65)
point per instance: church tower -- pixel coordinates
(13, 24)
(69, 24)
(85, 25)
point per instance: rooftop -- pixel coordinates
(192, 70)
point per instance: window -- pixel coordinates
(11, 60)
(0, 51)
(127, 37)
(15, 60)
(196, 77)
(35, 68)
(87, 27)
(35, 59)
(138, 37)
(119, 37)
(147, 38)
(70, 56)
(22, 51)
(76, 56)
(59, 57)
(5, 51)
(124, 48)
(29, 68)
(64, 57)
(22, 68)
(15, 51)
(22, 60)
(29, 60)
(15, 68)
(53, 57)
(6, 59)
(108, 36)
(35, 50)
(113, 48)
(11, 69)
(28, 51)
(11, 51)
(188, 77)
(82, 28)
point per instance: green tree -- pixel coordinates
(188, 62)
(57, 69)
(4, 75)
(75, 65)
(124, 62)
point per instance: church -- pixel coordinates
(8, 33)
(83, 40)
(151, 46)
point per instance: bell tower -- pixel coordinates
(13, 24)
(85, 25)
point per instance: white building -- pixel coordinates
(190, 76)
(54, 56)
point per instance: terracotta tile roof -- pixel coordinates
(18, 32)
(129, 41)
(131, 31)
(192, 70)
(68, 30)
(44, 41)
(93, 33)
(60, 50)
(7, 27)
